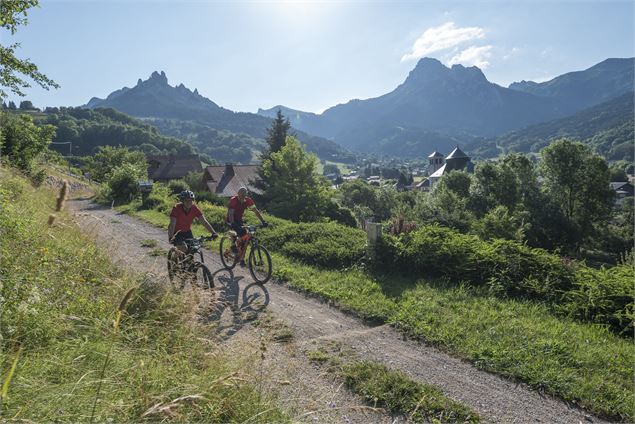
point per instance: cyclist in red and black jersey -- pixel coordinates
(181, 218)
(236, 209)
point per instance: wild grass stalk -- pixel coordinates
(115, 331)
(7, 381)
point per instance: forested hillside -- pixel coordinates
(88, 129)
(607, 127)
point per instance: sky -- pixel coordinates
(308, 55)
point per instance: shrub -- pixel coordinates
(177, 186)
(509, 268)
(123, 183)
(160, 198)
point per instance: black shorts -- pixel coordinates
(239, 227)
(181, 237)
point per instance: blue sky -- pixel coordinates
(308, 55)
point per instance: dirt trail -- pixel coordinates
(305, 322)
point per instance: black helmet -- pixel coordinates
(186, 194)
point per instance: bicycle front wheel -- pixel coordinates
(203, 277)
(228, 252)
(260, 264)
(172, 258)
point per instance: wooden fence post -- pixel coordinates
(373, 232)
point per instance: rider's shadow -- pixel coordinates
(232, 308)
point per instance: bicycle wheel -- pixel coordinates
(260, 264)
(228, 254)
(172, 264)
(203, 277)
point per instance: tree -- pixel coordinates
(276, 135)
(577, 180)
(294, 190)
(26, 105)
(13, 13)
(108, 158)
(12, 105)
(21, 140)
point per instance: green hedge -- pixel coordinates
(509, 268)
(326, 244)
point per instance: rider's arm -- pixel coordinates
(257, 212)
(207, 225)
(171, 227)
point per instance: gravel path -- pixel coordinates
(302, 322)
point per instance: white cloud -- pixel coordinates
(511, 53)
(473, 56)
(441, 38)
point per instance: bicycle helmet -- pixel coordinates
(187, 194)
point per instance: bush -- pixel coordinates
(160, 198)
(177, 186)
(509, 268)
(213, 198)
(123, 183)
(327, 244)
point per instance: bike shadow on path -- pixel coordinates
(232, 307)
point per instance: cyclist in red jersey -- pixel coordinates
(181, 218)
(236, 209)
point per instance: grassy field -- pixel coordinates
(82, 341)
(582, 363)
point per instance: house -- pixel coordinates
(622, 190)
(225, 180)
(164, 168)
(455, 161)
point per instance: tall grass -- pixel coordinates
(82, 356)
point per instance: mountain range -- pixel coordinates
(179, 111)
(436, 107)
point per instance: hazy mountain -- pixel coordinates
(155, 98)
(436, 104)
(582, 89)
(607, 127)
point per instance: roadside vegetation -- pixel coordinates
(91, 343)
(520, 312)
(392, 390)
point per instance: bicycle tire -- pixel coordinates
(171, 265)
(260, 264)
(228, 257)
(204, 278)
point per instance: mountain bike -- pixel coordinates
(233, 250)
(188, 266)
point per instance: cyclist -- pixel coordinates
(235, 210)
(181, 217)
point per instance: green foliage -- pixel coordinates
(400, 395)
(21, 140)
(292, 188)
(499, 223)
(276, 135)
(108, 158)
(13, 14)
(328, 245)
(581, 363)
(88, 129)
(59, 294)
(177, 186)
(195, 181)
(124, 183)
(160, 198)
(578, 181)
(508, 268)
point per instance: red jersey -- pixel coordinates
(184, 219)
(238, 207)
